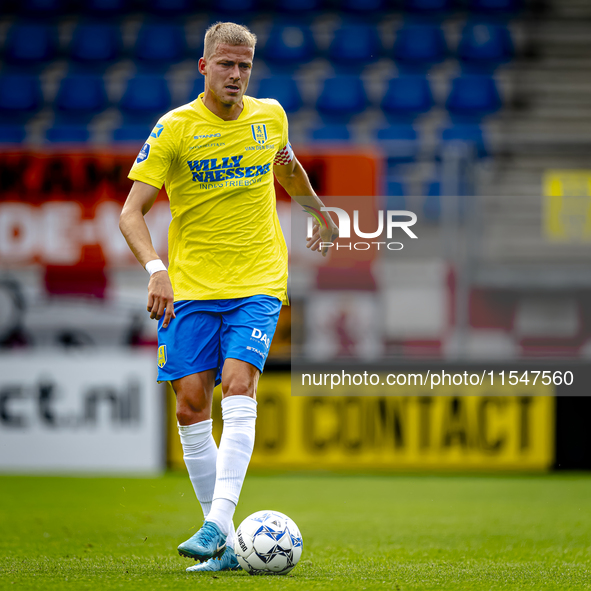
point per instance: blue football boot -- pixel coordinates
(227, 561)
(208, 542)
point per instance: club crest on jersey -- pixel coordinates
(259, 133)
(162, 356)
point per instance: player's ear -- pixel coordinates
(202, 65)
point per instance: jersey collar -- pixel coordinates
(207, 114)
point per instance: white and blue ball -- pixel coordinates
(268, 542)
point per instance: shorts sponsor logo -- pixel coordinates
(157, 130)
(248, 348)
(144, 153)
(260, 336)
(162, 356)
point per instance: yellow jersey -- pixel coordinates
(224, 240)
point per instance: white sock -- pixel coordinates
(200, 453)
(239, 414)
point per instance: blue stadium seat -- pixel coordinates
(341, 98)
(160, 44)
(30, 44)
(331, 132)
(427, 6)
(296, 6)
(420, 45)
(146, 97)
(170, 7)
(42, 8)
(470, 133)
(81, 96)
(355, 45)
(407, 97)
(399, 142)
(473, 97)
(67, 134)
(504, 7)
(362, 6)
(107, 8)
(12, 134)
(485, 44)
(20, 97)
(289, 45)
(236, 6)
(132, 133)
(282, 88)
(95, 43)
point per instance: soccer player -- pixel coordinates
(219, 301)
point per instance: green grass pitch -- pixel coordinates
(360, 532)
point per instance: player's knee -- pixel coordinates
(239, 388)
(187, 414)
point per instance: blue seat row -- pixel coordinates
(406, 97)
(83, 95)
(94, 44)
(172, 8)
(483, 44)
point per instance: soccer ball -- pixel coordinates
(268, 542)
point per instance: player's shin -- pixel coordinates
(200, 454)
(239, 414)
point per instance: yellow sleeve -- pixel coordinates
(152, 163)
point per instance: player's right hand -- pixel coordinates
(161, 297)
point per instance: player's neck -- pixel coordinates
(221, 110)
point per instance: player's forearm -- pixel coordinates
(135, 230)
(297, 184)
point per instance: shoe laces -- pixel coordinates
(208, 533)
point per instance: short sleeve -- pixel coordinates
(152, 163)
(285, 153)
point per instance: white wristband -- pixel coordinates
(154, 266)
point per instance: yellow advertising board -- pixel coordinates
(567, 205)
(462, 428)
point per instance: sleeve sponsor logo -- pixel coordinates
(144, 153)
(157, 130)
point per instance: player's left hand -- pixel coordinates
(321, 237)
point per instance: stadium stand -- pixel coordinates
(95, 44)
(170, 48)
(281, 88)
(472, 97)
(485, 46)
(354, 45)
(341, 98)
(20, 97)
(30, 45)
(289, 46)
(419, 46)
(379, 71)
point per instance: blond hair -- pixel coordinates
(229, 33)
